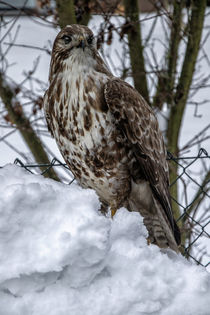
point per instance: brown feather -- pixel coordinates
(136, 119)
(107, 134)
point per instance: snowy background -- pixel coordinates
(59, 255)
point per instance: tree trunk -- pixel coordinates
(66, 12)
(136, 48)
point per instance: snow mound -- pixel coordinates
(59, 256)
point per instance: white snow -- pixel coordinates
(59, 256)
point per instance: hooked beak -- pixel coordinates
(81, 43)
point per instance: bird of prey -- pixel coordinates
(108, 134)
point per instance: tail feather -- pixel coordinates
(165, 228)
(156, 221)
(177, 233)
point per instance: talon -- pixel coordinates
(113, 211)
(148, 241)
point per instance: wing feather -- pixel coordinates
(47, 113)
(138, 123)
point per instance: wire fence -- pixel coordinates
(193, 201)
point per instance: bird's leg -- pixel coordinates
(148, 241)
(113, 211)
(104, 208)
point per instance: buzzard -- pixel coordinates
(108, 134)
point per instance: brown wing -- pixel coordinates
(137, 121)
(47, 113)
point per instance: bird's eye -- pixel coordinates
(90, 39)
(67, 39)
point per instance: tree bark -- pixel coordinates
(136, 48)
(166, 80)
(66, 12)
(173, 49)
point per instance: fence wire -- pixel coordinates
(195, 225)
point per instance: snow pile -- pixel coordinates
(59, 256)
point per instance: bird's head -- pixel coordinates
(75, 45)
(74, 40)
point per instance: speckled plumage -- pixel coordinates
(108, 135)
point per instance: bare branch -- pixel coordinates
(18, 117)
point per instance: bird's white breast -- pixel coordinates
(77, 98)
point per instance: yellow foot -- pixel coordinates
(148, 241)
(113, 211)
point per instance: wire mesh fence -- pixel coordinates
(193, 201)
